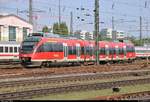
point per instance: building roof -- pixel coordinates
(4, 16)
(9, 43)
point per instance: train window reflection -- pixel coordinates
(6, 49)
(10, 49)
(1, 49)
(15, 49)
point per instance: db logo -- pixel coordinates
(25, 56)
(55, 55)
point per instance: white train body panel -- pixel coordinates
(9, 50)
(142, 51)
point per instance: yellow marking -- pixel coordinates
(51, 41)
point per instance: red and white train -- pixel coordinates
(40, 51)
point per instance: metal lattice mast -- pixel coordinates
(30, 12)
(71, 22)
(97, 30)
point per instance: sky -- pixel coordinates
(126, 13)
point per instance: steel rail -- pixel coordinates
(75, 87)
(69, 78)
(128, 96)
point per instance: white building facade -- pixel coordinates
(108, 33)
(14, 28)
(120, 34)
(84, 35)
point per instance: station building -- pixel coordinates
(14, 28)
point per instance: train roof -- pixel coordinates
(71, 37)
(51, 35)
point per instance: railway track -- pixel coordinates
(22, 72)
(69, 88)
(129, 96)
(13, 82)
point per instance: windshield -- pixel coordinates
(29, 44)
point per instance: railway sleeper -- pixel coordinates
(75, 88)
(56, 90)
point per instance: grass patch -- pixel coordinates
(94, 93)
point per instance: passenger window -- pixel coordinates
(15, 49)
(70, 48)
(111, 51)
(10, 49)
(6, 49)
(102, 50)
(50, 47)
(114, 51)
(1, 49)
(82, 50)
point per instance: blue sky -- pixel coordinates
(126, 13)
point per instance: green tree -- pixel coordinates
(45, 29)
(55, 28)
(60, 28)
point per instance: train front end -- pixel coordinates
(27, 51)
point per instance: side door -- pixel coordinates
(91, 52)
(107, 52)
(78, 50)
(65, 50)
(125, 52)
(117, 52)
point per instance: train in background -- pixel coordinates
(142, 52)
(9, 51)
(43, 50)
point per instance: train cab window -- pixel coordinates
(15, 49)
(10, 49)
(6, 49)
(1, 49)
